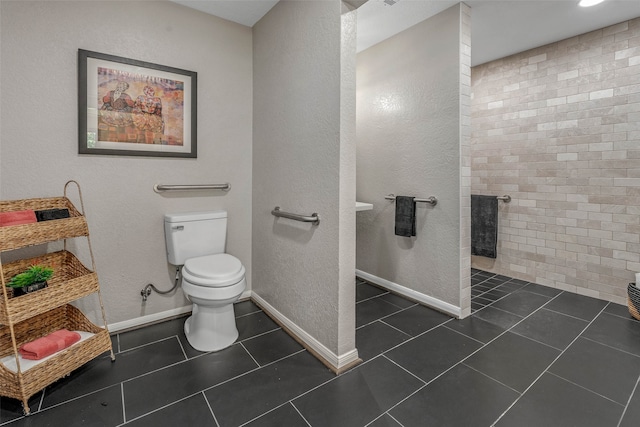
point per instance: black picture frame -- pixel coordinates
(135, 108)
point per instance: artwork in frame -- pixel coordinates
(134, 108)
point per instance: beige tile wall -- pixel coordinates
(558, 128)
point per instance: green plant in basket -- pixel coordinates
(34, 274)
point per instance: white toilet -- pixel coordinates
(211, 279)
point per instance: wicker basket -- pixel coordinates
(19, 236)
(633, 300)
(28, 317)
(70, 281)
(24, 384)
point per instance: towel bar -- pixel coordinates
(432, 200)
(313, 218)
(159, 188)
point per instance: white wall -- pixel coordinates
(39, 137)
(411, 102)
(297, 165)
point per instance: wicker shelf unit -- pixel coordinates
(34, 315)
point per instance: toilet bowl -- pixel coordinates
(212, 283)
(211, 279)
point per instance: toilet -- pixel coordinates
(211, 279)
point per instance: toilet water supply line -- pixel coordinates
(147, 289)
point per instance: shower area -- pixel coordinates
(555, 128)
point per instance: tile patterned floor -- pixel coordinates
(528, 356)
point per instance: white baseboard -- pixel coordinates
(427, 300)
(150, 318)
(156, 317)
(336, 362)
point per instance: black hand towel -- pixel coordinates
(484, 226)
(49, 214)
(405, 216)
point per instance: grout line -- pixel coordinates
(265, 413)
(298, 411)
(388, 315)
(44, 390)
(464, 335)
(491, 378)
(162, 407)
(184, 353)
(405, 369)
(635, 388)
(393, 327)
(568, 315)
(389, 302)
(548, 366)
(373, 297)
(248, 314)
(535, 340)
(627, 317)
(67, 401)
(382, 415)
(394, 419)
(249, 353)
(411, 339)
(260, 334)
(611, 347)
(375, 419)
(210, 408)
(584, 388)
(124, 411)
(147, 344)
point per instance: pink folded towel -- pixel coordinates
(47, 345)
(17, 218)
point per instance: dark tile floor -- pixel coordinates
(528, 356)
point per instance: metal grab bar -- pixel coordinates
(313, 218)
(506, 198)
(432, 200)
(159, 188)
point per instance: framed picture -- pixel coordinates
(134, 108)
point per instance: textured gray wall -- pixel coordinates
(297, 166)
(409, 143)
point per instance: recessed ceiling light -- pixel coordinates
(588, 3)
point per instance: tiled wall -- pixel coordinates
(465, 160)
(558, 128)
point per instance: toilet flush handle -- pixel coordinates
(178, 227)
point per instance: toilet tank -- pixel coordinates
(192, 234)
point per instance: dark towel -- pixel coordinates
(49, 214)
(484, 226)
(405, 216)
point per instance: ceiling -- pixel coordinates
(498, 29)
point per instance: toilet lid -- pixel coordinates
(213, 270)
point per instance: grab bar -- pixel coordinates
(432, 200)
(313, 218)
(159, 188)
(506, 198)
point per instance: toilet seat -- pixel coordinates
(215, 271)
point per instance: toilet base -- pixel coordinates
(211, 328)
